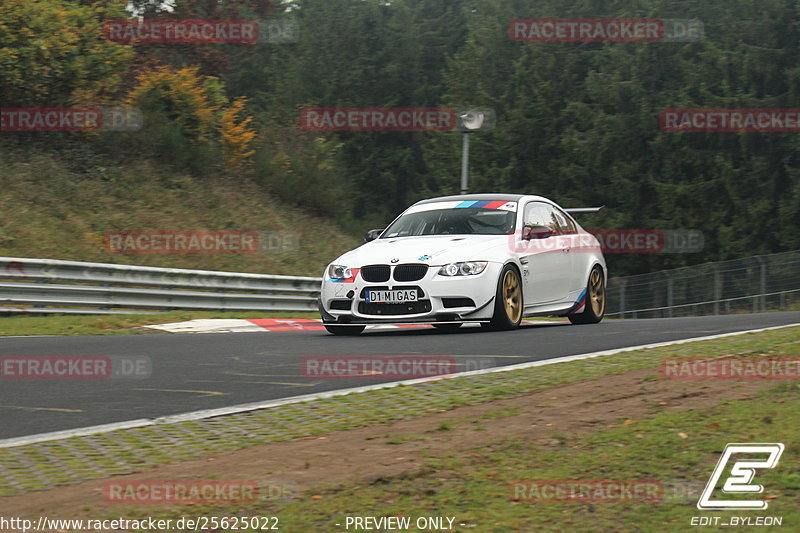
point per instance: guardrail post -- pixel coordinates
(669, 293)
(622, 298)
(762, 283)
(717, 289)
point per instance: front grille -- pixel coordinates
(410, 308)
(458, 302)
(375, 273)
(410, 272)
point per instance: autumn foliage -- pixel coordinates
(236, 135)
(198, 107)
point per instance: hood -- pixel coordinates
(434, 250)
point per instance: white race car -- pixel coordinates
(486, 258)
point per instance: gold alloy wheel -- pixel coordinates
(512, 296)
(597, 292)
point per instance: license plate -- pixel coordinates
(392, 297)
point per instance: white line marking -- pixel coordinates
(79, 432)
(255, 406)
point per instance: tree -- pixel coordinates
(52, 53)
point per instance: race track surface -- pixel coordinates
(191, 372)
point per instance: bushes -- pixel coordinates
(189, 123)
(303, 169)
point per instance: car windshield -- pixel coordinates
(463, 221)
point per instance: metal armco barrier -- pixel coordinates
(754, 284)
(749, 285)
(54, 286)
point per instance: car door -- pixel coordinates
(546, 262)
(579, 259)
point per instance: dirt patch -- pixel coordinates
(368, 454)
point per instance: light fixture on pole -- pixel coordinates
(470, 121)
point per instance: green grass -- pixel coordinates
(32, 467)
(54, 210)
(475, 486)
(116, 324)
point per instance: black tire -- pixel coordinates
(507, 301)
(448, 327)
(594, 307)
(344, 330)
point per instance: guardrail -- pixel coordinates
(749, 285)
(753, 284)
(54, 286)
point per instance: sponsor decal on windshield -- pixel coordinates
(486, 204)
(501, 205)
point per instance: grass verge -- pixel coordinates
(677, 450)
(48, 212)
(477, 487)
(49, 464)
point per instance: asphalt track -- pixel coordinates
(191, 372)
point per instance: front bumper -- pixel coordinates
(441, 299)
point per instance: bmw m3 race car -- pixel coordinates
(486, 258)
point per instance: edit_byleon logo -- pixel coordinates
(740, 478)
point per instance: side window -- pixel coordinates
(565, 223)
(541, 214)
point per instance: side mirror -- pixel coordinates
(372, 235)
(531, 232)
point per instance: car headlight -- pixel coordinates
(339, 272)
(469, 268)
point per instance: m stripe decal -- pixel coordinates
(579, 303)
(485, 204)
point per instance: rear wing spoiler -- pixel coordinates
(573, 210)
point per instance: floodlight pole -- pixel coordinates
(465, 164)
